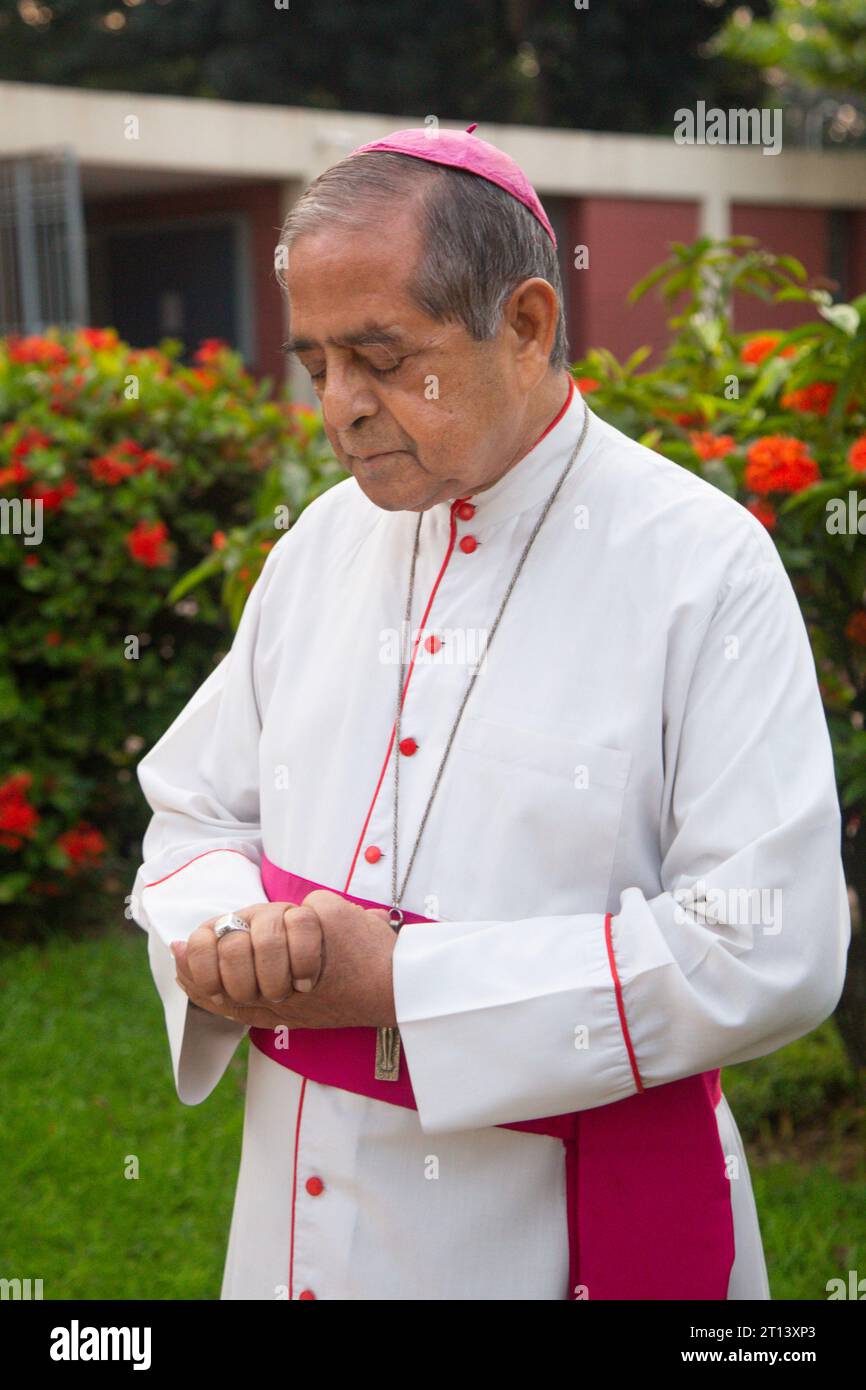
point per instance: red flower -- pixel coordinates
(16, 473)
(147, 543)
(110, 470)
(64, 394)
(218, 540)
(18, 819)
(779, 463)
(83, 846)
(855, 628)
(857, 454)
(15, 786)
(113, 467)
(18, 816)
(756, 349)
(53, 639)
(30, 439)
(711, 446)
(815, 399)
(587, 383)
(51, 497)
(205, 379)
(764, 512)
(97, 338)
(210, 349)
(38, 349)
(683, 417)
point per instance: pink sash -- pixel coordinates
(647, 1195)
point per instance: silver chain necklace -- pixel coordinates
(388, 1039)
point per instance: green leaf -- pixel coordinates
(196, 576)
(12, 885)
(652, 278)
(793, 266)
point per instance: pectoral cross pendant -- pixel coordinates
(388, 1039)
(387, 1054)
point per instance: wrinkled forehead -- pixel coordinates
(355, 271)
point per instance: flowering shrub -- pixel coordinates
(303, 471)
(120, 472)
(778, 420)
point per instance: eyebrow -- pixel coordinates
(371, 335)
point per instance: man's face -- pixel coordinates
(417, 410)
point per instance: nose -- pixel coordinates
(346, 398)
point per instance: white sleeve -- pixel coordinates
(742, 952)
(203, 848)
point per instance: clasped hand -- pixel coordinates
(321, 963)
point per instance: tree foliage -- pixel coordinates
(616, 65)
(818, 43)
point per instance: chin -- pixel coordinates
(389, 499)
(390, 488)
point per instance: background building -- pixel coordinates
(158, 215)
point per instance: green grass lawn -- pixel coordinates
(85, 1079)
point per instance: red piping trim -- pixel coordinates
(196, 857)
(421, 628)
(556, 419)
(619, 1002)
(295, 1189)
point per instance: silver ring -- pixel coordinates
(229, 922)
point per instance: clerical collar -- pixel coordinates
(530, 480)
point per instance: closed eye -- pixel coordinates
(377, 371)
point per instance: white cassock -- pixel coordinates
(647, 722)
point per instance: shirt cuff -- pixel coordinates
(510, 1021)
(201, 1043)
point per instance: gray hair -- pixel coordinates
(480, 243)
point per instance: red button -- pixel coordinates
(306, 1293)
(433, 643)
(372, 853)
(315, 1187)
(466, 511)
(408, 746)
(468, 544)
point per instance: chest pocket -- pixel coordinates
(539, 816)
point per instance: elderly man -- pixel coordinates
(510, 817)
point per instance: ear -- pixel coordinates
(529, 318)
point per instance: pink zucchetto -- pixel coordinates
(460, 149)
